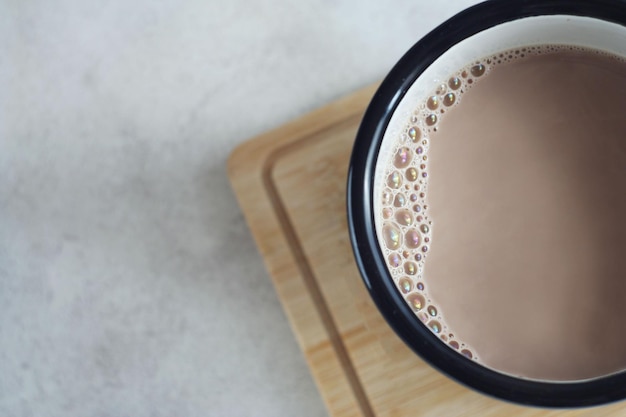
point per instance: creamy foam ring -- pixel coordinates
(484, 189)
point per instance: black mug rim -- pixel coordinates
(369, 257)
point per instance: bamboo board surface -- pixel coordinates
(291, 184)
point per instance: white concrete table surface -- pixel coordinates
(129, 283)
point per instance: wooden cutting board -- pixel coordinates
(291, 186)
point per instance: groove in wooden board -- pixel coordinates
(286, 182)
(307, 274)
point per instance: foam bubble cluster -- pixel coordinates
(407, 230)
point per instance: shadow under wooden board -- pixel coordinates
(291, 185)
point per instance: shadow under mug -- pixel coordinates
(483, 29)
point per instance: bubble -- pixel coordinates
(423, 166)
(449, 99)
(406, 253)
(422, 316)
(424, 228)
(415, 134)
(432, 310)
(402, 158)
(418, 257)
(426, 239)
(432, 102)
(404, 217)
(467, 353)
(419, 150)
(435, 326)
(478, 70)
(424, 174)
(400, 200)
(441, 89)
(417, 208)
(454, 83)
(416, 301)
(444, 337)
(405, 285)
(420, 286)
(431, 119)
(413, 197)
(387, 197)
(410, 268)
(392, 236)
(394, 260)
(412, 238)
(387, 213)
(424, 249)
(411, 174)
(454, 344)
(394, 180)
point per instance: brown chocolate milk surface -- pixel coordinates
(527, 197)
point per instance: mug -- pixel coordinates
(477, 32)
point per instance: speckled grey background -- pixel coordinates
(129, 283)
